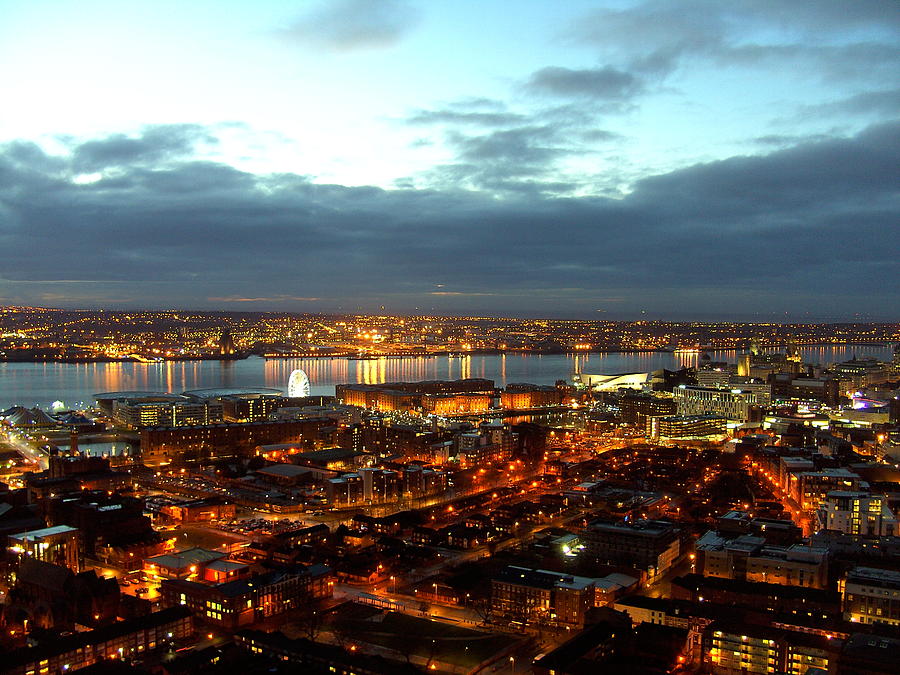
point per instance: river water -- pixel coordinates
(74, 384)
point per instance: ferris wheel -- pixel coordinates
(298, 384)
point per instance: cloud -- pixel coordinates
(656, 37)
(267, 300)
(456, 117)
(813, 223)
(349, 25)
(605, 83)
(155, 144)
(883, 102)
(503, 151)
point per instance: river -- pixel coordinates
(74, 384)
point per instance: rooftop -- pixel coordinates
(45, 532)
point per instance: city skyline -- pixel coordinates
(596, 160)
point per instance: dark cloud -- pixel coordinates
(346, 25)
(813, 225)
(782, 140)
(156, 144)
(457, 117)
(885, 102)
(499, 150)
(604, 83)
(828, 38)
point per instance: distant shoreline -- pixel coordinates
(449, 353)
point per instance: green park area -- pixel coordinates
(418, 639)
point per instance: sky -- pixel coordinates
(696, 159)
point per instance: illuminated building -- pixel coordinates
(182, 564)
(686, 427)
(142, 413)
(612, 382)
(857, 373)
(857, 513)
(106, 401)
(524, 396)
(812, 487)
(381, 485)
(226, 344)
(199, 510)
(119, 641)
(450, 404)
(407, 395)
(423, 482)
(735, 404)
(334, 459)
(251, 407)
(871, 595)
(346, 490)
(635, 408)
(60, 545)
(750, 558)
(734, 648)
(789, 387)
(383, 438)
(245, 601)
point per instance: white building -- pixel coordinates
(860, 513)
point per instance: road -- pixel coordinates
(26, 448)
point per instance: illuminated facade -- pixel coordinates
(871, 595)
(60, 545)
(857, 513)
(686, 426)
(128, 639)
(734, 404)
(524, 396)
(612, 382)
(450, 404)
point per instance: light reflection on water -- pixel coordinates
(75, 384)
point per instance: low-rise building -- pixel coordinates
(749, 558)
(871, 595)
(241, 603)
(647, 545)
(541, 597)
(119, 641)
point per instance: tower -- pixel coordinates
(226, 343)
